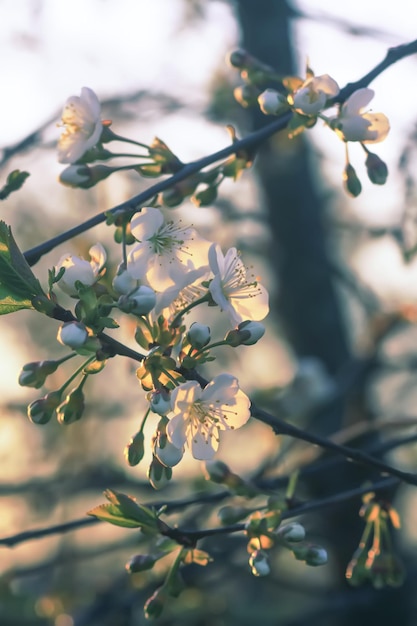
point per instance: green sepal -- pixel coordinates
(298, 123)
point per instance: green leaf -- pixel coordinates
(14, 182)
(10, 303)
(15, 272)
(112, 514)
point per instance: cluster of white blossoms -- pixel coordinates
(353, 121)
(169, 270)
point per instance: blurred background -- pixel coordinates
(339, 356)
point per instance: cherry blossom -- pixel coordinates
(76, 268)
(200, 414)
(166, 251)
(240, 295)
(312, 96)
(354, 123)
(81, 119)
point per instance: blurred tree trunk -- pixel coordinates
(307, 302)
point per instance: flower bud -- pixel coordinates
(166, 452)
(40, 411)
(160, 402)
(159, 475)
(135, 449)
(271, 102)
(75, 176)
(376, 168)
(198, 335)
(316, 555)
(351, 181)
(123, 282)
(259, 563)
(205, 197)
(72, 334)
(85, 177)
(237, 58)
(246, 334)
(140, 302)
(72, 408)
(140, 563)
(34, 374)
(293, 533)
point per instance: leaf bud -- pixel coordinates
(34, 374)
(351, 181)
(198, 335)
(140, 563)
(40, 411)
(135, 449)
(376, 168)
(72, 408)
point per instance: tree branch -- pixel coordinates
(251, 141)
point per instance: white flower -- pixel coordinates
(353, 124)
(165, 250)
(187, 289)
(313, 94)
(200, 414)
(81, 119)
(242, 297)
(87, 272)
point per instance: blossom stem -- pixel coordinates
(145, 417)
(175, 322)
(168, 375)
(115, 137)
(76, 373)
(215, 344)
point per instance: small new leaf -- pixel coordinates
(124, 511)
(14, 182)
